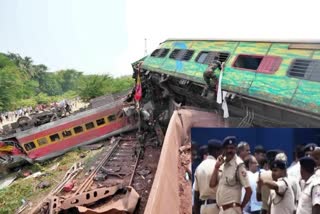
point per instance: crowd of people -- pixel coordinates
(229, 179)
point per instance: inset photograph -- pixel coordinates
(256, 170)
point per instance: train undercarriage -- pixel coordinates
(243, 111)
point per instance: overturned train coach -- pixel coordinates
(58, 137)
(268, 84)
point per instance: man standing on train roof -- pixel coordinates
(205, 197)
(309, 201)
(233, 178)
(209, 74)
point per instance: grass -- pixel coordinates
(11, 196)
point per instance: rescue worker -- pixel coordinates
(205, 197)
(233, 178)
(309, 201)
(209, 74)
(281, 199)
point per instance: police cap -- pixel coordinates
(279, 164)
(309, 147)
(230, 140)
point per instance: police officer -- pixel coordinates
(309, 201)
(281, 198)
(309, 148)
(263, 192)
(209, 74)
(233, 178)
(205, 197)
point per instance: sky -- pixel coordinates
(106, 36)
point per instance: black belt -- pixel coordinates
(209, 201)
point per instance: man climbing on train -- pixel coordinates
(209, 74)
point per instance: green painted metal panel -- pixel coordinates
(237, 80)
(307, 96)
(252, 48)
(276, 89)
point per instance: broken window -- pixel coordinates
(207, 57)
(54, 137)
(66, 133)
(261, 64)
(78, 129)
(308, 69)
(181, 54)
(160, 52)
(42, 141)
(89, 125)
(29, 146)
(112, 118)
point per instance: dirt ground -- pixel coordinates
(143, 179)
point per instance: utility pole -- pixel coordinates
(145, 47)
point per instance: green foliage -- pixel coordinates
(10, 198)
(24, 84)
(43, 98)
(92, 86)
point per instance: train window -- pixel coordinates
(160, 52)
(206, 57)
(181, 54)
(250, 62)
(29, 146)
(89, 125)
(78, 129)
(42, 141)
(54, 137)
(100, 121)
(305, 69)
(269, 64)
(66, 133)
(112, 117)
(260, 64)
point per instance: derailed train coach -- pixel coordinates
(263, 83)
(58, 137)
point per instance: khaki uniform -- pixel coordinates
(233, 178)
(265, 191)
(310, 195)
(202, 178)
(283, 203)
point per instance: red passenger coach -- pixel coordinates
(55, 138)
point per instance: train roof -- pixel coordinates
(246, 40)
(64, 120)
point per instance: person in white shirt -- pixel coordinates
(281, 199)
(252, 166)
(309, 201)
(316, 156)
